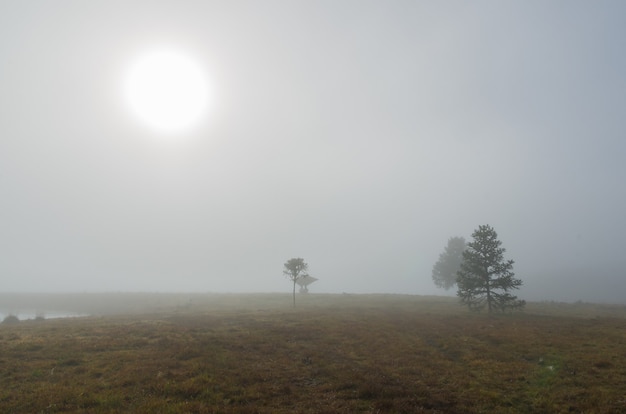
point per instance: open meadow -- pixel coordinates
(152, 353)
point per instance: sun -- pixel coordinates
(167, 90)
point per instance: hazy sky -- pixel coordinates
(359, 135)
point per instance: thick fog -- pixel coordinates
(358, 135)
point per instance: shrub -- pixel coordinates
(10, 319)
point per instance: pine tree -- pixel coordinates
(485, 278)
(294, 270)
(449, 263)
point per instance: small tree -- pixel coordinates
(295, 269)
(449, 263)
(485, 278)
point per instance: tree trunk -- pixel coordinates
(488, 291)
(294, 293)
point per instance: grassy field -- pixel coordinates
(332, 354)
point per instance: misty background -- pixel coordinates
(359, 135)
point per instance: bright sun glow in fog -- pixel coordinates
(167, 91)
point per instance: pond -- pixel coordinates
(23, 315)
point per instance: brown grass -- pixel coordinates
(332, 354)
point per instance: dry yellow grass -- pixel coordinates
(332, 354)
